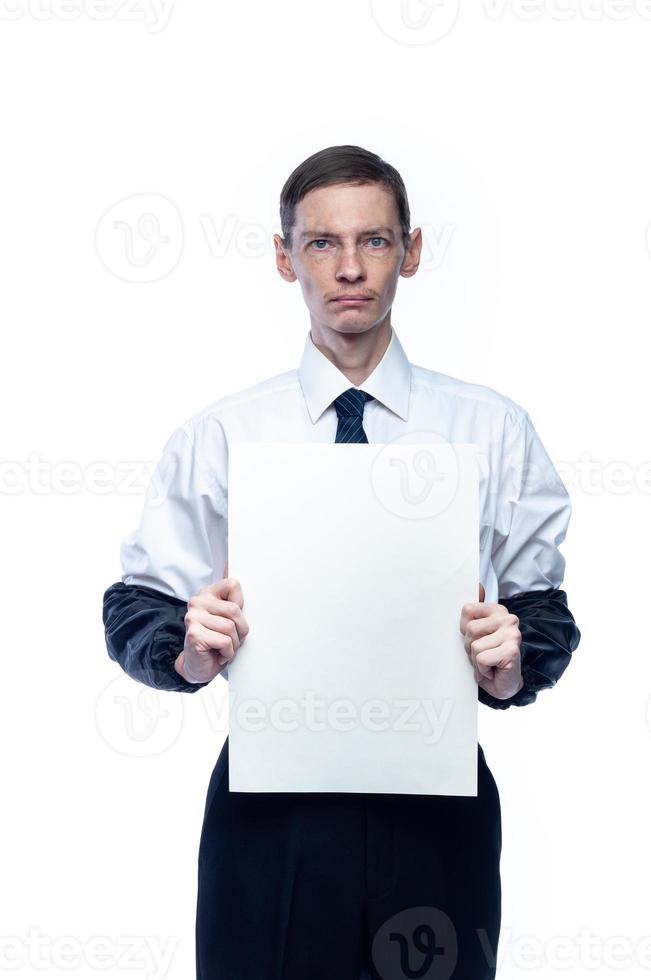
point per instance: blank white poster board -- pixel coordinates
(355, 560)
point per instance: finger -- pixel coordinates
(478, 666)
(482, 670)
(477, 649)
(477, 628)
(211, 608)
(224, 624)
(474, 610)
(496, 649)
(489, 641)
(499, 657)
(227, 588)
(482, 592)
(216, 643)
(225, 570)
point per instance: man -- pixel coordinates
(338, 885)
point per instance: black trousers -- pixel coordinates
(334, 886)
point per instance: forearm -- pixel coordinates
(549, 637)
(145, 634)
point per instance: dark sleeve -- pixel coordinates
(549, 637)
(145, 632)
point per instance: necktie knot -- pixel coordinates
(351, 403)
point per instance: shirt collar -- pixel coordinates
(322, 381)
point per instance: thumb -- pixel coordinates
(225, 575)
(482, 592)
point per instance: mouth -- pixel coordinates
(351, 300)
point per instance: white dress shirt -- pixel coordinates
(181, 543)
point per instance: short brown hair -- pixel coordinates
(341, 165)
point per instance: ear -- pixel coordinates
(411, 260)
(283, 260)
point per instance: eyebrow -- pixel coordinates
(331, 234)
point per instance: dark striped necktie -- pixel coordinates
(350, 414)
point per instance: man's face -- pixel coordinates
(347, 242)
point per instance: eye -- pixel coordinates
(377, 238)
(319, 241)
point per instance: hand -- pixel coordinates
(492, 642)
(215, 630)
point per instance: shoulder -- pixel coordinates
(468, 395)
(254, 398)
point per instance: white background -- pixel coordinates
(522, 133)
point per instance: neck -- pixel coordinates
(356, 354)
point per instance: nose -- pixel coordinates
(350, 268)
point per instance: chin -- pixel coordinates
(351, 325)
(350, 318)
